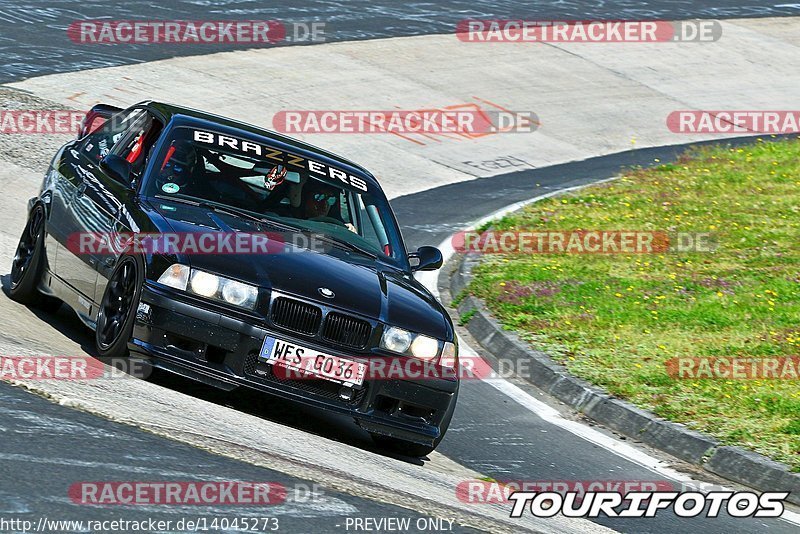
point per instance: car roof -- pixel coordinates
(193, 116)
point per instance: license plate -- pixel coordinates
(304, 361)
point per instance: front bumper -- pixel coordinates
(186, 335)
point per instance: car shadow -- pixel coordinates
(63, 320)
(333, 426)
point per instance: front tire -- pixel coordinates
(29, 264)
(117, 313)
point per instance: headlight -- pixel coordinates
(204, 284)
(424, 347)
(410, 344)
(210, 286)
(239, 294)
(396, 339)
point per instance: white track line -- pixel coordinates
(550, 414)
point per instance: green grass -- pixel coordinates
(615, 319)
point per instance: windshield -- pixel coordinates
(205, 166)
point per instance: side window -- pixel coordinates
(136, 144)
(96, 124)
(98, 144)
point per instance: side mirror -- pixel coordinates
(426, 259)
(117, 168)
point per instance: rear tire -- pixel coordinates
(29, 264)
(117, 313)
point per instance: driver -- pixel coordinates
(317, 199)
(316, 202)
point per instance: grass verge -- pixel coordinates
(616, 319)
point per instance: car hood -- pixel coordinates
(360, 284)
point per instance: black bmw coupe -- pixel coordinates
(242, 258)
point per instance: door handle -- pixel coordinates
(81, 189)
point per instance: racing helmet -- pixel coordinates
(178, 166)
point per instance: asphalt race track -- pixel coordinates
(33, 40)
(42, 471)
(174, 429)
(490, 434)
